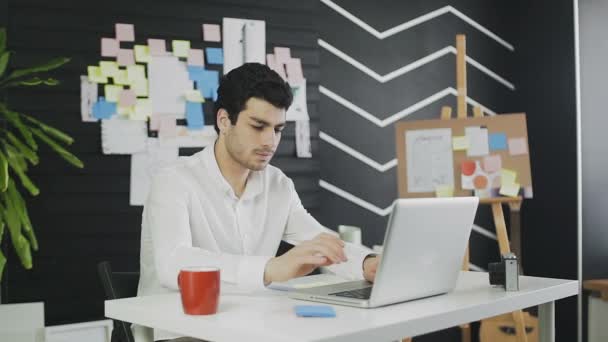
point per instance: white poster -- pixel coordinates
(243, 41)
(429, 159)
(478, 141)
(123, 136)
(144, 165)
(88, 97)
(168, 82)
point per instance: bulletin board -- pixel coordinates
(442, 153)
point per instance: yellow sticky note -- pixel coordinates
(121, 78)
(143, 109)
(181, 48)
(126, 111)
(444, 191)
(140, 86)
(194, 96)
(136, 72)
(108, 69)
(94, 73)
(507, 177)
(142, 53)
(510, 190)
(460, 143)
(111, 92)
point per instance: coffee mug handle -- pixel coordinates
(179, 277)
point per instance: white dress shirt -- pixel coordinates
(193, 218)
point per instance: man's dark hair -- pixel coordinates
(247, 81)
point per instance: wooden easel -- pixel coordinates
(496, 203)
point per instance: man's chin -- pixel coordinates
(259, 166)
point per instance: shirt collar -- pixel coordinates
(254, 182)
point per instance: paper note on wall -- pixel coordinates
(144, 166)
(299, 107)
(168, 81)
(303, 147)
(122, 136)
(244, 41)
(88, 98)
(211, 33)
(429, 159)
(478, 141)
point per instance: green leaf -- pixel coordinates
(70, 158)
(52, 131)
(21, 209)
(12, 219)
(24, 149)
(50, 65)
(3, 174)
(16, 165)
(34, 81)
(14, 157)
(2, 39)
(4, 58)
(26, 132)
(51, 82)
(2, 264)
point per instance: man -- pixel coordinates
(226, 207)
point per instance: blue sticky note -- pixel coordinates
(208, 84)
(195, 73)
(103, 109)
(194, 115)
(215, 55)
(497, 141)
(315, 311)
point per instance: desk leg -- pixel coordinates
(546, 322)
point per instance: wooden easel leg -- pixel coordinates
(503, 244)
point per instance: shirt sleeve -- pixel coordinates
(166, 213)
(301, 226)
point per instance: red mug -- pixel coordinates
(200, 289)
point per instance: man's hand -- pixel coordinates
(370, 266)
(324, 250)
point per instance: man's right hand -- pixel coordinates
(324, 250)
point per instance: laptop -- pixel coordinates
(424, 246)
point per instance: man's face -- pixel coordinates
(254, 138)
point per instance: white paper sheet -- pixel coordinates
(303, 147)
(478, 141)
(244, 41)
(145, 164)
(88, 97)
(168, 82)
(299, 109)
(429, 159)
(123, 136)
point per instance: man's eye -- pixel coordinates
(278, 130)
(259, 128)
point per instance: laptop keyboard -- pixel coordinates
(363, 293)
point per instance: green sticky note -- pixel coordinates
(194, 95)
(108, 69)
(181, 48)
(507, 177)
(142, 53)
(121, 78)
(140, 86)
(143, 109)
(112, 92)
(511, 190)
(136, 72)
(94, 73)
(444, 191)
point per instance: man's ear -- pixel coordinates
(223, 121)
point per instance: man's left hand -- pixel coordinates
(370, 265)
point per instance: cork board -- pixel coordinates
(426, 169)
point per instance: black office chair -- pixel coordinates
(118, 285)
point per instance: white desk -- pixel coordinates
(269, 316)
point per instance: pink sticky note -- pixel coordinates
(492, 163)
(282, 55)
(294, 70)
(125, 32)
(196, 57)
(125, 57)
(158, 47)
(155, 122)
(271, 61)
(127, 98)
(518, 146)
(109, 47)
(168, 127)
(211, 33)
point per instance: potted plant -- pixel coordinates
(20, 135)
